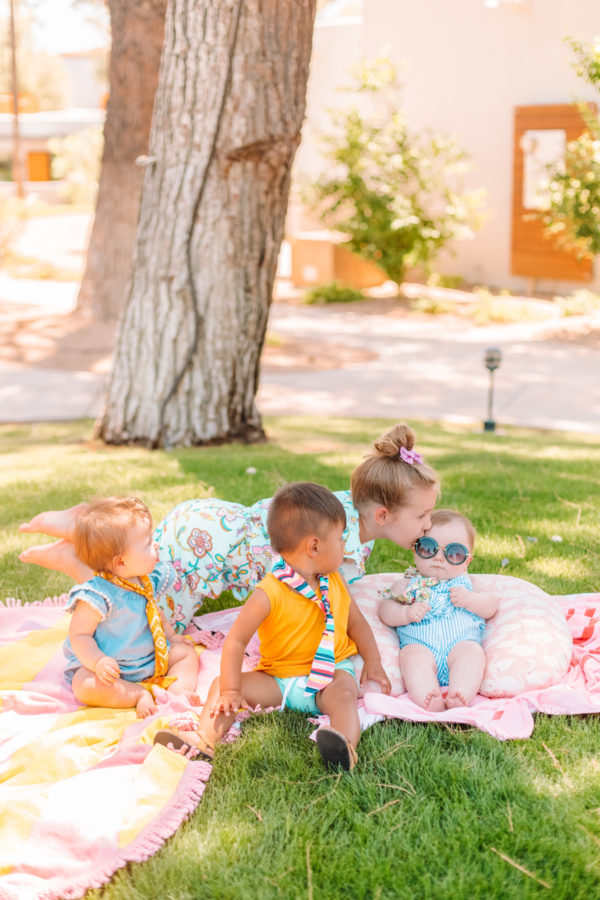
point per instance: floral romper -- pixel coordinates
(216, 545)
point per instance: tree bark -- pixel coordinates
(137, 39)
(228, 113)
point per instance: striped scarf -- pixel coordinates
(161, 650)
(323, 665)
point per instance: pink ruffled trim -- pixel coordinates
(209, 639)
(60, 601)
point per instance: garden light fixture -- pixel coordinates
(492, 359)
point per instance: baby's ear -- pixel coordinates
(117, 563)
(312, 545)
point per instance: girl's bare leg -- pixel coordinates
(466, 664)
(183, 665)
(120, 694)
(57, 523)
(419, 671)
(338, 701)
(60, 556)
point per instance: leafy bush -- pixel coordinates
(334, 292)
(573, 217)
(433, 306)
(76, 160)
(436, 279)
(395, 195)
(579, 303)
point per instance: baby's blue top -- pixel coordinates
(123, 632)
(444, 621)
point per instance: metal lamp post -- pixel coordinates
(492, 360)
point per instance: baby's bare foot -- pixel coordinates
(145, 705)
(456, 698)
(55, 522)
(434, 702)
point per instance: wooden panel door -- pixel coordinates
(532, 254)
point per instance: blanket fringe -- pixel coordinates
(56, 601)
(148, 842)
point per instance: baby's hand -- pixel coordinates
(460, 596)
(417, 611)
(107, 670)
(228, 702)
(376, 672)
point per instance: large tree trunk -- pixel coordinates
(227, 119)
(137, 39)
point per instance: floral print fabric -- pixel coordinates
(215, 546)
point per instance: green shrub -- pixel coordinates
(436, 279)
(579, 303)
(395, 195)
(334, 292)
(573, 218)
(76, 160)
(433, 306)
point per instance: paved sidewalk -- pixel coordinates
(419, 367)
(421, 370)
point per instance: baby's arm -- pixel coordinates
(481, 603)
(170, 633)
(393, 613)
(256, 608)
(360, 632)
(83, 625)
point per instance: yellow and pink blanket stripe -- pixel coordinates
(82, 791)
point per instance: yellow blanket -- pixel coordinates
(82, 791)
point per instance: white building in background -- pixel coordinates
(467, 67)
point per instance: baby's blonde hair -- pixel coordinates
(444, 516)
(102, 529)
(383, 477)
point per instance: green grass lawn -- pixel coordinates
(431, 811)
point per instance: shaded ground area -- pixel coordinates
(75, 342)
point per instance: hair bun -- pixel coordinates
(389, 444)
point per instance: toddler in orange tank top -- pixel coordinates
(308, 626)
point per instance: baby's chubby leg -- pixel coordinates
(419, 671)
(120, 694)
(466, 664)
(57, 523)
(183, 665)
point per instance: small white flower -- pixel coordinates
(250, 470)
(556, 538)
(532, 540)
(505, 562)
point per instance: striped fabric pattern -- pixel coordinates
(323, 665)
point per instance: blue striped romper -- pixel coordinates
(445, 625)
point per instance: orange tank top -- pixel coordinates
(290, 634)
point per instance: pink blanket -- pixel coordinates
(59, 762)
(505, 718)
(512, 717)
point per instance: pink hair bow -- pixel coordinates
(410, 456)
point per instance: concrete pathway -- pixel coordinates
(435, 370)
(422, 367)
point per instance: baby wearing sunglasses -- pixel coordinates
(439, 617)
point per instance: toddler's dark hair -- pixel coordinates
(300, 509)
